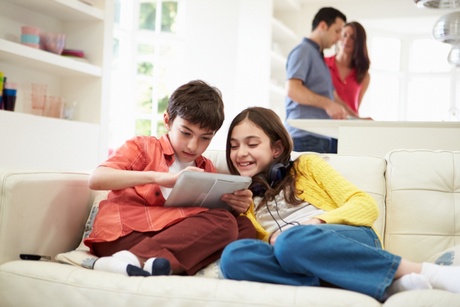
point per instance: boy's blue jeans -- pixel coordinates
(348, 257)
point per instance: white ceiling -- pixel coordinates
(395, 16)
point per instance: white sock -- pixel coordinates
(129, 257)
(408, 282)
(117, 263)
(157, 266)
(442, 277)
(111, 264)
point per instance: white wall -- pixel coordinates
(227, 45)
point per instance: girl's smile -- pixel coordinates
(250, 149)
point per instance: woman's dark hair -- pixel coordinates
(328, 15)
(271, 124)
(360, 59)
(198, 103)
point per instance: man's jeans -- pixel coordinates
(315, 144)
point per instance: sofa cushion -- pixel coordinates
(37, 216)
(54, 284)
(423, 202)
(81, 255)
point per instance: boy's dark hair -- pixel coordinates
(198, 103)
(328, 15)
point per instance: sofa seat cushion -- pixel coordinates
(426, 298)
(56, 284)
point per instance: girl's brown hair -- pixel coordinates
(272, 126)
(360, 59)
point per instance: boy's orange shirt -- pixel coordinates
(140, 208)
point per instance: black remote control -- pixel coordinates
(33, 257)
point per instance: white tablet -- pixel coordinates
(204, 189)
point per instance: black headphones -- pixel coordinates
(275, 173)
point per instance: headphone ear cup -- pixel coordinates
(277, 172)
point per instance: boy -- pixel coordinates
(133, 233)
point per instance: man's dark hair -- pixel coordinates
(198, 103)
(328, 15)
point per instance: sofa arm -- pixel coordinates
(42, 212)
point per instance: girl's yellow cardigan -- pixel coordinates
(322, 186)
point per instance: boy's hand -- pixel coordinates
(168, 180)
(239, 200)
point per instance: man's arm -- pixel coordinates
(297, 91)
(343, 104)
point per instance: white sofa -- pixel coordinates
(418, 192)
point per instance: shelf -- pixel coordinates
(39, 141)
(72, 10)
(286, 5)
(44, 61)
(277, 90)
(277, 60)
(282, 33)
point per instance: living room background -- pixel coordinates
(411, 79)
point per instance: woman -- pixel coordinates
(320, 224)
(349, 67)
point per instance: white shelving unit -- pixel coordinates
(285, 29)
(87, 28)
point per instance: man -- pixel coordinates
(310, 92)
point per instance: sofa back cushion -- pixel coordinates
(366, 172)
(423, 202)
(41, 212)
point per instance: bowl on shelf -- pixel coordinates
(52, 42)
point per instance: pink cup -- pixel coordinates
(30, 30)
(30, 36)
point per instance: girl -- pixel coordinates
(320, 224)
(349, 67)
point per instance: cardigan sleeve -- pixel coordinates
(325, 188)
(262, 234)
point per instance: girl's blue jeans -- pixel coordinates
(348, 257)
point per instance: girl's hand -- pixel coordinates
(239, 200)
(273, 237)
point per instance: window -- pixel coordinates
(411, 80)
(379, 102)
(147, 55)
